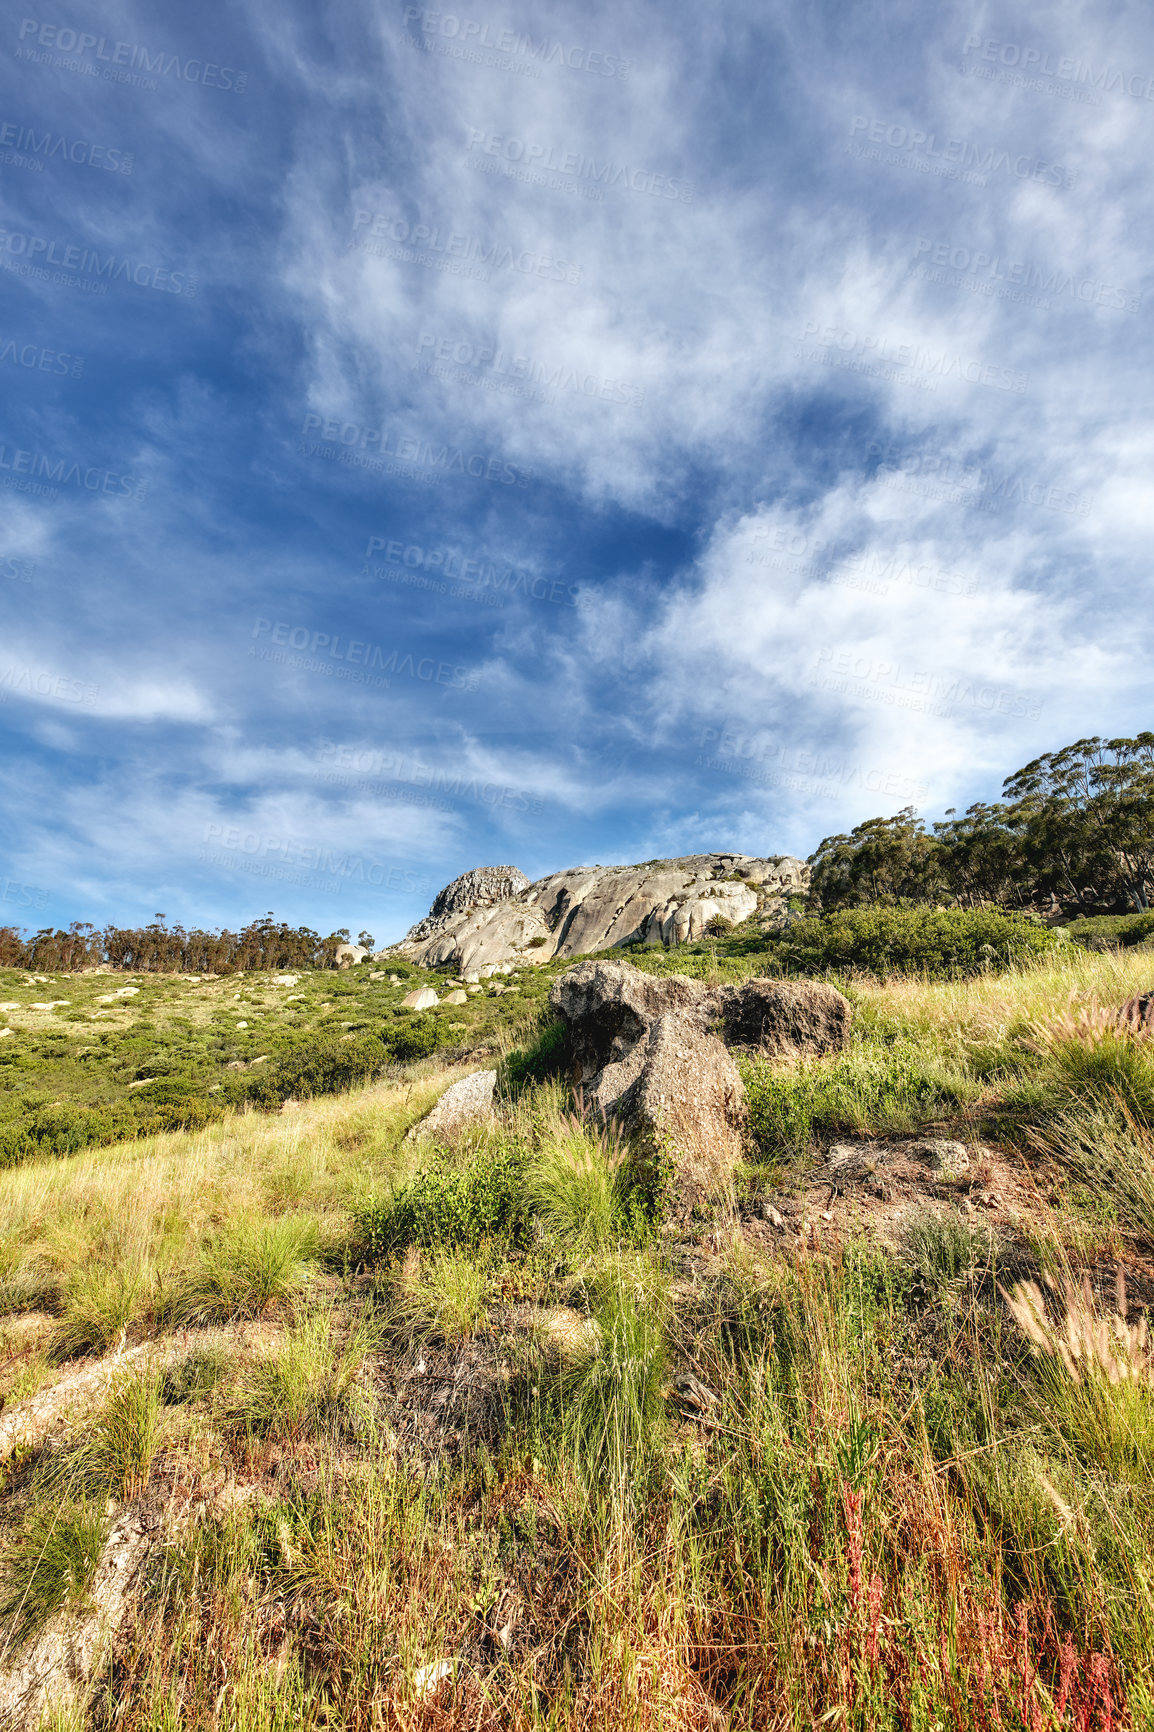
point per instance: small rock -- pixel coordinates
(242, 1025)
(458, 997)
(423, 999)
(949, 1159)
(826, 1216)
(774, 1218)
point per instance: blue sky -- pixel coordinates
(554, 434)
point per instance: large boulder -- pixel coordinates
(494, 915)
(782, 1018)
(687, 1104)
(468, 1102)
(608, 1008)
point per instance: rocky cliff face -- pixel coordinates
(495, 916)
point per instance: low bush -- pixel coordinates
(944, 942)
(450, 1205)
(866, 1088)
(1120, 929)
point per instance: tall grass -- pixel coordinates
(573, 1183)
(48, 1563)
(312, 1384)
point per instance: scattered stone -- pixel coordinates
(468, 1102)
(144, 1080)
(774, 1217)
(377, 974)
(348, 955)
(458, 997)
(609, 1007)
(286, 980)
(423, 999)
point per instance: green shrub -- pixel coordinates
(317, 1065)
(866, 1088)
(449, 1205)
(946, 942)
(413, 1037)
(523, 1067)
(1121, 929)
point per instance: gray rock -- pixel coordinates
(688, 1104)
(468, 1102)
(424, 998)
(608, 1008)
(783, 1017)
(348, 955)
(948, 1159)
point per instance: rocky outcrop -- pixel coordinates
(468, 1102)
(783, 1018)
(478, 889)
(644, 1051)
(494, 915)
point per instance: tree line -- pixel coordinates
(1073, 834)
(158, 948)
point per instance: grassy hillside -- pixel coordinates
(99, 1057)
(410, 1436)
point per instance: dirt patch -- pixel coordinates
(872, 1189)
